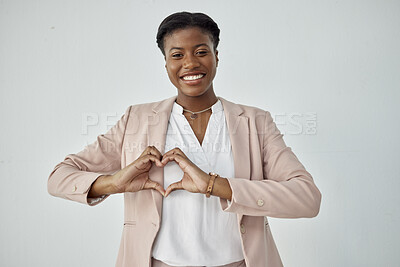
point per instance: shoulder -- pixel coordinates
(152, 106)
(258, 119)
(244, 110)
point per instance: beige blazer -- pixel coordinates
(269, 179)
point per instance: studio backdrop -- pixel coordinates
(328, 71)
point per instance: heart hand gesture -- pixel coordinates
(194, 179)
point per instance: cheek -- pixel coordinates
(171, 69)
(213, 67)
(172, 74)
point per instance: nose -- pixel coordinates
(190, 62)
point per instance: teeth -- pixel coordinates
(193, 77)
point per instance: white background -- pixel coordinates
(63, 60)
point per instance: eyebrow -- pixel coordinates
(180, 48)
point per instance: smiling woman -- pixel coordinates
(211, 172)
(191, 63)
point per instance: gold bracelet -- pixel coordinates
(211, 183)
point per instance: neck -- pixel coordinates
(197, 103)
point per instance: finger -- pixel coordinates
(146, 151)
(151, 150)
(156, 160)
(172, 157)
(143, 163)
(153, 185)
(173, 187)
(175, 151)
(154, 151)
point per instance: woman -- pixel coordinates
(224, 166)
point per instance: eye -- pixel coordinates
(176, 55)
(202, 52)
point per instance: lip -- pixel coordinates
(192, 82)
(192, 73)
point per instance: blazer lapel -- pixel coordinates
(238, 127)
(157, 124)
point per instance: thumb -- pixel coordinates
(154, 185)
(173, 187)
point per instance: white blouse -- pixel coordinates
(194, 230)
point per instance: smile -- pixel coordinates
(193, 77)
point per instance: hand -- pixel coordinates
(194, 179)
(135, 176)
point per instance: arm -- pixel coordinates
(132, 178)
(222, 189)
(287, 190)
(102, 186)
(72, 178)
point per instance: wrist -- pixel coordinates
(110, 184)
(101, 186)
(108, 187)
(206, 179)
(222, 188)
(211, 183)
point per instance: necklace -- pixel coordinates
(194, 114)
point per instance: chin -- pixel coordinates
(192, 92)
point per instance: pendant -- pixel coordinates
(193, 116)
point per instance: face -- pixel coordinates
(191, 62)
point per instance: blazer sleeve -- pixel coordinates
(287, 190)
(72, 178)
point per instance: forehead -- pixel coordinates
(187, 37)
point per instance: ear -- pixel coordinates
(216, 57)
